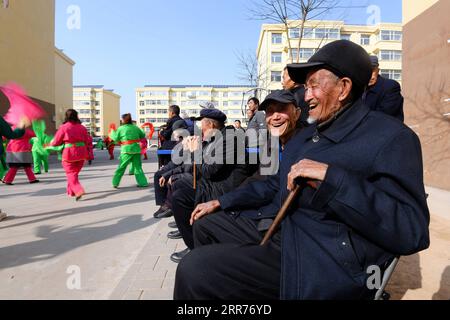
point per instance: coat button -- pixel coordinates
(344, 243)
(259, 214)
(316, 139)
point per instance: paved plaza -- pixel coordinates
(110, 238)
(109, 246)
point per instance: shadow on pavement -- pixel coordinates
(54, 243)
(73, 211)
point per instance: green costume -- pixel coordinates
(129, 136)
(100, 145)
(40, 155)
(3, 166)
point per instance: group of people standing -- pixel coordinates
(75, 144)
(352, 170)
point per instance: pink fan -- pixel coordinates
(21, 105)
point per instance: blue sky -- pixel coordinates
(128, 44)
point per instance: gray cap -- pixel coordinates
(207, 105)
(374, 61)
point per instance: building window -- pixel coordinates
(142, 121)
(390, 55)
(141, 103)
(225, 95)
(305, 53)
(97, 129)
(345, 36)
(97, 112)
(294, 33)
(276, 57)
(141, 112)
(276, 38)
(365, 39)
(225, 103)
(156, 102)
(390, 35)
(321, 33)
(392, 74)
(275, 76)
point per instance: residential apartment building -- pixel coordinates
(63, 85)
(29, 58)
(97, 108)
(276, 47)
(426, 84)
(152, 101)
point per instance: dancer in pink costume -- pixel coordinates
(19, 155)
(75, 139)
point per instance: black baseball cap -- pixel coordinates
(215, 114)
(342, 57)
(282, 96)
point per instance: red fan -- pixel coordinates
(21, 105)
(112, 127)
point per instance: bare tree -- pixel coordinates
(252, 72)
(294, 14)
(278, 11)
(430, 114)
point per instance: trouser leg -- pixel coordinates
(182, 206)
(45, 163)
(230, 272)
(138, 172)
(36, 162)
(74, 187)
(29, 172)
(160, 192)
(222, 227)
(11, 174)
(125, 160)
(3, 168)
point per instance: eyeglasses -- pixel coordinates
(312, 87)
(316, 86)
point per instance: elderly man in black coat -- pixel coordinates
(369, 205)
(219, 172)
(384, 94)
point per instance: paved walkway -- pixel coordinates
(108, 238)
(111, 246)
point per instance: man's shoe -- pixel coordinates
(3, 216)
(177, 256)
(160, 210)
(163, 214)
(35, 181)
(172, 224)
(176, 234)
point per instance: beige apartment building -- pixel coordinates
(63, 85)
(426, 85)
(97, 108)
(29, 58)
(276, 47)
(152, 101)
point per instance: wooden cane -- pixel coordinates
(284, 209)
(195, 175)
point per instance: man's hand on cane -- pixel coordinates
(308, 169)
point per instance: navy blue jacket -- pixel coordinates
(385, 96)
(370, 207)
